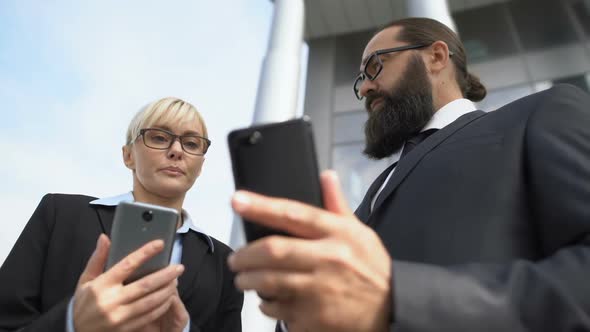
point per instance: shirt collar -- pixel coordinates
(443, 117)
(449, 113)
(187, 220)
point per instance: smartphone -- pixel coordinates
(276, 159)
(136, 224)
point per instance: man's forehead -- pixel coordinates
(386, 38)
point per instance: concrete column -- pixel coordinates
(435, 9)
(279, 79)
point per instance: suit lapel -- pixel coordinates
(364, 209)
(410, 161)
(194, 250)
(105, 217)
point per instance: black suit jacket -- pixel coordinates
(488, 220)
(40, 274)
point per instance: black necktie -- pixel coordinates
(415, 140)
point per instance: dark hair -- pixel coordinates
(421, 30)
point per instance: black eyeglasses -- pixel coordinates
(374, 65)
(160, 139)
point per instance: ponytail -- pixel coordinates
(474, 90)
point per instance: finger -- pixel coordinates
(280, 310)
(179, 314)
(97, 261)
(123, 269)
(332, 193)
(296, 218)
(277, 253)
(278, 285)
(148, 303)
(151, 283)
(138, 322)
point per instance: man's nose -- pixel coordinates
(367, 87)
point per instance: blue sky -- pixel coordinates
(72, 74)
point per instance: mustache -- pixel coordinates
(370, 98)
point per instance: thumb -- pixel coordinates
(97, 261)
(334, 199)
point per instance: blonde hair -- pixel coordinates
(165, 110)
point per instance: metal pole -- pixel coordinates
(435, 9)
(279, 78)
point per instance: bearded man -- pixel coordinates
(482, 225)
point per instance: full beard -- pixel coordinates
(404, 111)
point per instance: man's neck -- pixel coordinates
(447, 93)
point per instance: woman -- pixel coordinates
(53, 278)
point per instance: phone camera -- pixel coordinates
(255, 137)
(148, 215)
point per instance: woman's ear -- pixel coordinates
(128, 157)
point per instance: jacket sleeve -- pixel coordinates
(548, 294)
(21, 275)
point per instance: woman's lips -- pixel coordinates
(173, 171)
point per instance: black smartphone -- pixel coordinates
(276, 159)
(136, 224)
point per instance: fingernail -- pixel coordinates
(158, 244)
(240, 201)
(180, 268)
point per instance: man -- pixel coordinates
(483, 224)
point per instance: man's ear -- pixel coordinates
(437, 57)
(128, 157)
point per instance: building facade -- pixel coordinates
(516, 47)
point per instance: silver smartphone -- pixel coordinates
(136, 224)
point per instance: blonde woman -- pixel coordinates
(53, 278)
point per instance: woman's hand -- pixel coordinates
(174, 320)
(103, 303)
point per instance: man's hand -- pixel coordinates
(334, 275)
(103, 303)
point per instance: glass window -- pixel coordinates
(349, 51)
(581, 9)
(581, 81)
(485, 32)
(500, 97)
(349, 127)
(542, 23)
(356, 171)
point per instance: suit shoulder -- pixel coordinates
(561, 97)
(60, 198)
(565, 89)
